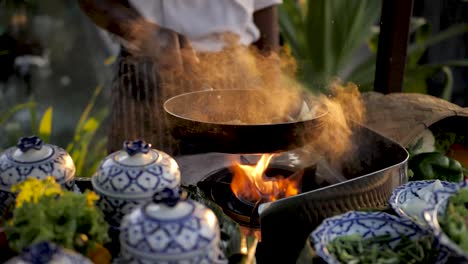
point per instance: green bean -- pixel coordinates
(356, 249)
(455, 221)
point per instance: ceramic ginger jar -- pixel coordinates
(32, 158)
(171, 231)
(48, 253)
(129, 178)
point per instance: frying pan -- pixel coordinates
(241, 121)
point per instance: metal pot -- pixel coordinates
(240, 121)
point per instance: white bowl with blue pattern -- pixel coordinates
(32, 158)
(366, 224)
(171, 231)
(128, 178)
(409, 192)
(432, 216)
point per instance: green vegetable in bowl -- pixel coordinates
(455, 221)
(433, 166)
(356, 249)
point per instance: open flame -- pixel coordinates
(249, 182)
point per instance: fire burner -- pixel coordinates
(217, 187)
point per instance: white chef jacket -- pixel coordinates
(204, 22)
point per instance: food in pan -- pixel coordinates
(356, 249)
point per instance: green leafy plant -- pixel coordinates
(45, 126)
(12, 129)
(416, 74)
(86, 149)
(44, 212)
(15, 109)
(324, 36)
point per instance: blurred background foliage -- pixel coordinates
(54, 78)
(336, 38)
(324, 35)
(86, 149)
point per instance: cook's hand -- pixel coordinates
(169, 49)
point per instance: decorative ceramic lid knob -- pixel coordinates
(129, 178)
(172, 231)
(32, 158)
(135, 147)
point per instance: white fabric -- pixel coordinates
(205, 21)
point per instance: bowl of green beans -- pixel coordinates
(375, 237)
(448, 221)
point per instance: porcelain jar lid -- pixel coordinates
(136, 172)
(48, 253)
(170, 229)
(31, 157)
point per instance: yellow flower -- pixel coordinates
(32, 189)
(51, 187)
(50, 179)
(20, 200)
(91, 198)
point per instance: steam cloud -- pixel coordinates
(274, 77)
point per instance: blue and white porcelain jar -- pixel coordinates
(32, 158)
(129, 178)
(48, 253)
(169, 231)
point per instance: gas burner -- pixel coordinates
(216, 187)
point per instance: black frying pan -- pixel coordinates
(241, 121)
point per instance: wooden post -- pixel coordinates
(393, 44)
